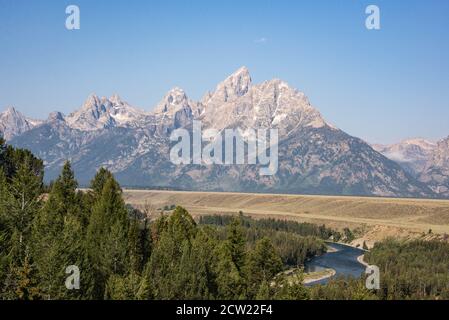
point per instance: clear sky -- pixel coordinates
(380, 85)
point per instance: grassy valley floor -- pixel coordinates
(378, 218)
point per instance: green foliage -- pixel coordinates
(348, 235)
(236, 243)
(294, 246)
(106, 238)
(57, 235)
(412, 270)
(342, 289)
(231, 285)
(290, 287)
(302, 229)
(98, 182)
(130, 287)
(263, 264)
(11, 159)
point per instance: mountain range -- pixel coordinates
(315, 157)
(425, 160)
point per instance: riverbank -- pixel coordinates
(343, 261)
(318, 275)
(361, 260)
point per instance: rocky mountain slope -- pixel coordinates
(411, 154)
(436, 171)
(314, 156)
(428, 162)
(14, 123)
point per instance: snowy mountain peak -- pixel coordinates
(234, 86)
(115, 99)
(99, 113)
(175, 99)
(238, 83)
(10, 110)
(91, 101)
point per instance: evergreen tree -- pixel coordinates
(57, 236)
(263, 264)
(23, 200)
(130, 287)
(236, 243)
(290, 287)
(4, 231)
(171, 250)
(98, 182)
(106, 239)
(230, 284)
(24, 282)
(264, 291)
(195, 274)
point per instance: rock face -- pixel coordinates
(436, 171)
(411, 154)
(428, 162)
(314, 157)
(14, 123)
(102, 113)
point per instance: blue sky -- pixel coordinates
(381, 85)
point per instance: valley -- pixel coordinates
(375, 218)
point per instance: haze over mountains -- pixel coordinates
(427, 161)
(314, 156)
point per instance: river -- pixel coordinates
(343, 261)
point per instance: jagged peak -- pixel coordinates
(174, 99)
(115, 99)
(177, 92)
(91, 101)
(239, 82)
(234, 86)
(10, 110)
(56, 115)
(240, 72)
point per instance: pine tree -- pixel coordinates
(230, 284)
(181, 225)
(236, 243)
(263, 264)
(25, 287)
(264, 291)
(290, 287)
(98, 182)
(130, 287)
(4, 232)
(172, 248)
(57, 235)
(23, 200)
(195, 275)
(106, 239)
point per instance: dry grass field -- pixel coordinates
(378, 217)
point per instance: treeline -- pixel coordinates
(119, 255)
(412, 270)
(295, 242)
(299, 228)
